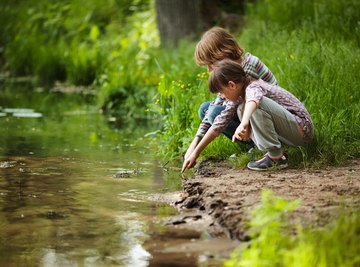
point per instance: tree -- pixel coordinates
(178, 19)
(187, 19)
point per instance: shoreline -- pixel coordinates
(219, 199)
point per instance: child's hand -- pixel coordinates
(189, 162)
(242, 132)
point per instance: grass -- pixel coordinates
(323, 75)
(275, 242)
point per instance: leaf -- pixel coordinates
(94, 33)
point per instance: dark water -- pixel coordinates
(74, 184)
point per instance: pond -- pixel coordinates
(74, 184)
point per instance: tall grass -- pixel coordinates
(323, 74)
(317, 60)
(321, 18)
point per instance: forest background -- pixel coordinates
(130, 53)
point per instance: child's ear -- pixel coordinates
(231, 85)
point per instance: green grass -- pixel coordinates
(275, 242)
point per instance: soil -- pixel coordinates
(219, 198)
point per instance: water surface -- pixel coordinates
(74, 184)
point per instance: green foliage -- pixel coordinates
(83, 62)
(276, 243)
(179, 100)
(272, 213)
(110, 45)
(131, 73)
(34, 30)
(178, 114)
(329, 18)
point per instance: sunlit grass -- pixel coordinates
(275, 242)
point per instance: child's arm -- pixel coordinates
(190, 161)
(242, 131)
(192, 146)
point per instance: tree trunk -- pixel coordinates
(178, 19)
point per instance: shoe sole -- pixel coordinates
(276, 167)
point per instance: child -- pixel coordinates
(217, 44)
(275, 115)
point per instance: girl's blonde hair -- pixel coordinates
(217, 44)
(224, 71)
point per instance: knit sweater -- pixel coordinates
(254, 67)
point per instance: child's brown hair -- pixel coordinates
(217, 44)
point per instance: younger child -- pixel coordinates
(217, 44)
(270, 115)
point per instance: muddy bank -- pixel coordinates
(219, 198)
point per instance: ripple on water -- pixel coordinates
(21, 113)
(7, 164)
(28, 115)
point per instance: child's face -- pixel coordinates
(231, 91)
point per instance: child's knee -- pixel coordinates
(203, 108)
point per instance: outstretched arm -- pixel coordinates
(192, 146)
(190, 161)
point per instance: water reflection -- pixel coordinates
(133, 236)
(73, 190)
(137, 255)
(71, 212)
